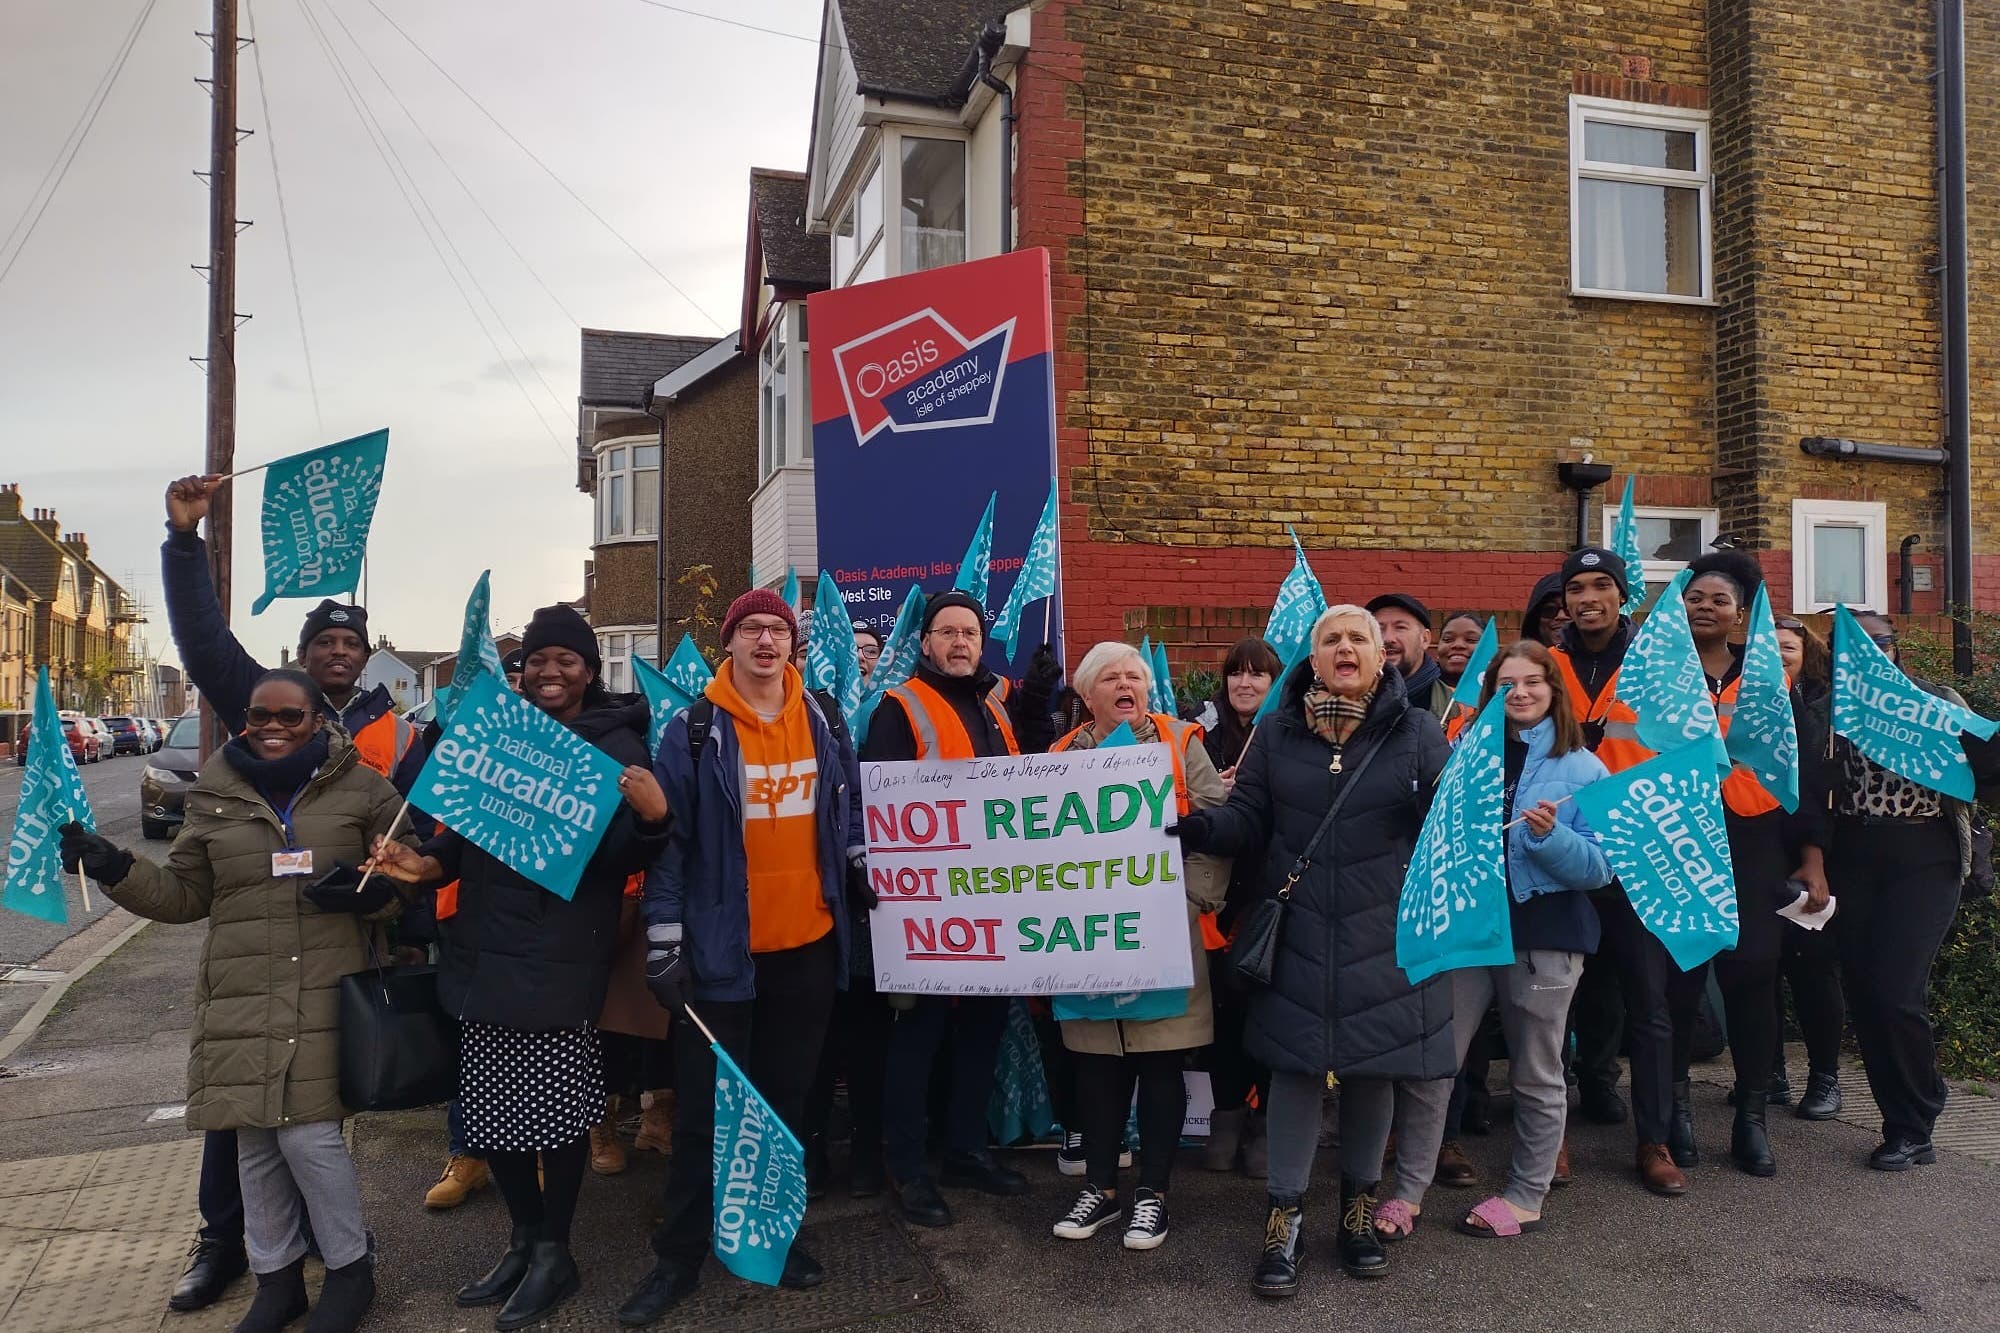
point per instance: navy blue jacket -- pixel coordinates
(701, 879)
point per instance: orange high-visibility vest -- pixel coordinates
(1741, 791)
(934, 722)
(382, 743)
(1620, 749)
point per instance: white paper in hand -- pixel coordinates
(1796, 912)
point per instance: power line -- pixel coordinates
(284, 219)
(385, 152)
(72, 144)
(734, 23)
(547, 170)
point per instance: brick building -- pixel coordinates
(1376, 269)
(81, 618)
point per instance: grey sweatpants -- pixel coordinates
(1534, 995)
(1291, 1129)
(278, 1168)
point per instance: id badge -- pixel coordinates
(285, 865)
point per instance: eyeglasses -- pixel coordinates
(284, 717)
(1795, 626)
(1885, 640)
(957, 635)
(778, 633)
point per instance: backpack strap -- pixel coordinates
(701, 716)
(830, 710)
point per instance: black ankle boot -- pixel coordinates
(1361, 1252)
(1680, 1128)
(344, 1298)
(1278, 1269)
(503, 1277)
(281, 1298)
(1822, 1099)
(550, 1280)
(1749, 1146)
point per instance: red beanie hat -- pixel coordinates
(758, 602)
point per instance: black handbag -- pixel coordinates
(398, 1049)
(1253, 954)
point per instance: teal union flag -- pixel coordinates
(520, 786)
(760, 1178)
(318, 506)
(1453, 912)
(51, 795)
(1896, 722)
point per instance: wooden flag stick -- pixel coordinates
(83, 882)
(1524, 819)
(241, 472)
(1246, 740)
(695, 1018)
(390, 834)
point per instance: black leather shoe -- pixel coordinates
(981, 1171)
(212, 1265)
(865, 1176)
(503, 1277)
(1680, 1128)
(1361, 1252)
(1900, 1154)
(550, 1280)
(920, 1203)
(1600, 1104)
(1278, 1269)
(1781, 1089)
(667, 1285)
(1822, 1099)
(344, 1298)
(281, 1298)
(1749, 1145)
(802, 1271)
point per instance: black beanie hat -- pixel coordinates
(561, 627)
(1596, 560)
(330, 614)
(513, 662)
(946, 600)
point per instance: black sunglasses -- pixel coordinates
(1885, 640)
(1796, 626)
(284, 717)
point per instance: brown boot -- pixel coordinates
(462, 1175)
(1562, 1175)
(656, 1124)
(1657, 1171)
(607, 1154)
(1454, 1168)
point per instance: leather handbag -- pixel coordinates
(398, 1048)
(1253, 954)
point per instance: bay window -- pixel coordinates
(628, 489)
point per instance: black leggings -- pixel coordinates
(1811, 963)
(550, 1204)
(1756, 1033)
(1104, 1092)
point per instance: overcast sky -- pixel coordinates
(654, 117)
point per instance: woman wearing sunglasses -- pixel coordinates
(274, 810)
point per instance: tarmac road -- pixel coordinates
(113, 788)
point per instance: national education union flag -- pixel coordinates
(1483, 653)
(898, 660)
(476, 650)
(51, 795)
(975, 569)
(831, 663)
(317, 509)
(1663, 682)
(1763, 734)
(1896, 722)
(672, 692)
(1453, 912)
(1037, 579)
(760, 1178)
(1300, 600)
(1625, 545)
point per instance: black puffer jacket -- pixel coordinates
(517, 956)
(1337, 1000)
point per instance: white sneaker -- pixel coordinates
(1148, 1227)
(1069, 1157)
(1092, 1212)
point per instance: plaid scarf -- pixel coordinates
(1335, 719)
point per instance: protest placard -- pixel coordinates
(1031, 875)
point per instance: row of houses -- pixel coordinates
(1426, 281)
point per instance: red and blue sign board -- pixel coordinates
(930, 393)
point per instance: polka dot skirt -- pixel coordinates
(525, 1091)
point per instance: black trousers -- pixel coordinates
(973, 1025)
(775, 1039)
(1811, 963)
(857, 1045)
(220, 1193)
(1104, 1091)
(1231, 1071)
(1898, 887)
(1660, 1006)
(1597, 1013)
(1747, 974)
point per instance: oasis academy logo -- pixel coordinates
(920, 373)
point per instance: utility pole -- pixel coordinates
(221, 358)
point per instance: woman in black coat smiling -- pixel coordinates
(1337, 1001)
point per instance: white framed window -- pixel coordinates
(628, 489)
(858, 251)
(1668, 537)
(784, 427)
(618, 647)
(931, 186)
(1840, 553)
(1640, 224)
(910, 212)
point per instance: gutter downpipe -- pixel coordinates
(989, 41)
(1953, 269)
(658, 409)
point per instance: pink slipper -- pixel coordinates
(1397, 1214)
(1499, 1220)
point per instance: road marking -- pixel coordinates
(35, 975)
(168, 1113)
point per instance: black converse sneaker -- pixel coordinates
(1148, 1226)
(1092, 1212)
(1069, 1157)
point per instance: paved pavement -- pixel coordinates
(98, 1202)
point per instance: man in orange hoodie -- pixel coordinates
(746, 912)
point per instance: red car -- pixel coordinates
(84, 746)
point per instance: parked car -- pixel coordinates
(149, 734)
(164, 785)
(107, 742)
(84, 747)
(127, 736)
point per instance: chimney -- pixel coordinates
(77, 542)
(10, 502)
(45, 519)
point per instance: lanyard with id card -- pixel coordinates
(294, 861)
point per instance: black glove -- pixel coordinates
(1045, 674)
(100, 858)
(860, 893)
(1194, 831)
(667, 974)
(335, 891)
